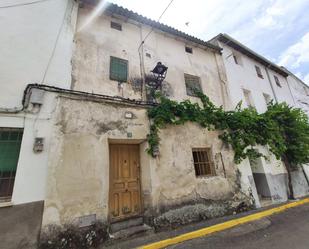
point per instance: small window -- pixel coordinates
(193, 83)
(203, 165)
(10, 141)
(259, 72)
(148, 55)
(115, 25)
(248, 98)
(267, 98)
(189, 50)
(118, 69)
(235, 59)
(277, 81)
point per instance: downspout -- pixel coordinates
(142, 64)
(287, 82)
(271, 85)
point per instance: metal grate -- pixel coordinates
(10, 141)
(193, 83)
(118, 69)
(202, 161)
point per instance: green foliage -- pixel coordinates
(284, 129)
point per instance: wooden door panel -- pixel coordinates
(125, 200)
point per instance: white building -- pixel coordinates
(36, 47)
(255, 81)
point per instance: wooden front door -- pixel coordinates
(124, 187)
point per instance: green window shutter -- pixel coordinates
(118, 69)
(10, 141)
(192, 83)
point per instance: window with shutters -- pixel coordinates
(10, 141)
(203, 164)
(259, 72)
(118, 69)
(193, 83)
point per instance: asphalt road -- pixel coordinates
(287, 230)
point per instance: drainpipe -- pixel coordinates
(271, 85)
(142, 65)
(287, 82)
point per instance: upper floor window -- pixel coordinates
(237, 59)
(277, 81)
(267, 98)
(203, 164)
(248, 98)
(115, 25)
(118, 69)
(193, 83)
(259, 72)
(189, 50)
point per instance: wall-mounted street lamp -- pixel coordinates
(159, 74)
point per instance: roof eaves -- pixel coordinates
(228, 40)
(114, 9)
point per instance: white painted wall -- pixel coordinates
(37, 40)
(300, 92)
(241, 77)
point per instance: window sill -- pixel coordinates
(6, 204)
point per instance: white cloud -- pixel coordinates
(296, 54)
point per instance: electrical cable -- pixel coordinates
(22, 4)
(56, 42)
(143, 41)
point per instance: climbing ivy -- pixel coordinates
(284, 129)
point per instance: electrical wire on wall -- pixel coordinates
(141, 53)
(57, 39)
(23, 4)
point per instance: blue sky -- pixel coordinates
(276, 29)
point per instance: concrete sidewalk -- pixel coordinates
(154, 237)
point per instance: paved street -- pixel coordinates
(286, 230)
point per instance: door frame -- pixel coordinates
(124, 142)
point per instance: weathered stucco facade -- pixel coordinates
(79, 168)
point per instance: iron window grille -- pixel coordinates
(118, 69)
(10, 142)
(193, 83)
(203, 164)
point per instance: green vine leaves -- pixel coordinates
(284, 129)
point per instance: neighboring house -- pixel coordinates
(300, 91)
(99, 169)
(36, 45)
(256, 81)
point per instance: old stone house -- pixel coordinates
(98, 166)
(74, 146)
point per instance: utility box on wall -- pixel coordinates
(38, 145)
